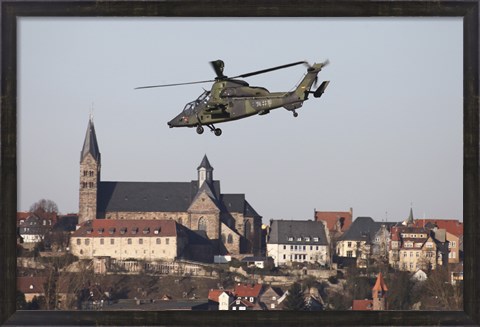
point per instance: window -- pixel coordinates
(248, 230)
(223, 238)
(284, 247)
(349, 254)
(299, 239)
(202, 224)
(229, 239)
(140, 241)
(349, 244)
(167, 241)
(284, 256)
(146, 230)
(79, 241)
(159, 241)
(134, 230)
(290, 239)
(112, 241)
(129, 241)
(307, 239)
(87, 241)
(315, 239)
(101, 241)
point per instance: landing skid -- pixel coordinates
(216, 131)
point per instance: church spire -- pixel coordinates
(205, 171)
(90, 145)
(409, 221)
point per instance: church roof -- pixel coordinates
(90, 145)
(163, 197)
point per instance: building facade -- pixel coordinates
(228, 221)
(297, 241)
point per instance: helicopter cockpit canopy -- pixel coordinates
(194, 106)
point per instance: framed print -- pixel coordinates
(154, 48)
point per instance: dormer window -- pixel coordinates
(307, 239)
(100, 231)
(134, 230)
(299, 239)
(89, 231)
(123, 230)
(290, 239)
(157, 230)
(111, 230)
(146, 230)
(315, 239)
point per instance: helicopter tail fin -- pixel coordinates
(305, 85)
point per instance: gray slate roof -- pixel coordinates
(90, 144)
(363, 229)
(281, 230)
(162, 197)
(205, 164)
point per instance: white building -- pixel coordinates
(297, 241)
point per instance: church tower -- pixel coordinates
(379, 294)
(205, 172)
(89, 175)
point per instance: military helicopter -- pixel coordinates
(231, 98)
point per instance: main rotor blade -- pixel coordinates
(176, 84)
(270, 69)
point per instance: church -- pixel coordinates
(228, 221)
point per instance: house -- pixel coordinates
(242, 297)
(269, 298)
(366, 239)
(31, 286)
(297, 241)
(148, 240)
(33, 229)
(453, 230)
(412, 248)
(313, 300)
(228, 221)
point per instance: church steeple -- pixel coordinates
(379, 293)
(409, 221)
(90, 145)
(205, 172)
(89, 175)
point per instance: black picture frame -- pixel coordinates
(11, 10)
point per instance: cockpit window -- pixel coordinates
(202, 99)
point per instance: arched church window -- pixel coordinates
(247, 231)
(229, 239)
(202, 224)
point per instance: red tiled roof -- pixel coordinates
(215, 293)
(453, 226)
(331, 218)
(361, 305)
(31, 284)
(126, 228)
(380, 284)
(248, 290)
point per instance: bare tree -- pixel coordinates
(44, 205)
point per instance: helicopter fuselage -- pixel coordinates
(235, 99)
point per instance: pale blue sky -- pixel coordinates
(386, 133)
